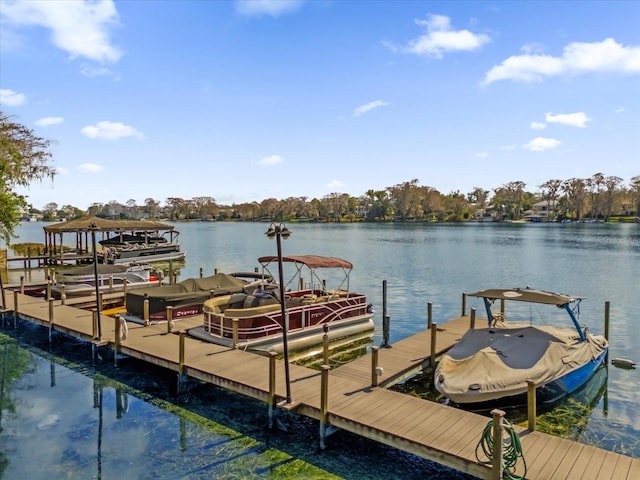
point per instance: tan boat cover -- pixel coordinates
(485, 366)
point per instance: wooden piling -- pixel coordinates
(531, 405)
(271, 396)
(116, 348)
(181, 353)
(145, 311)
(496, 459)
(169, 319)
(50, 317)
(386, 326)
(374, 366)
(606, 320)
(201, 272)
(22, 284)
(63, 295)
(464, 304)
(429, 315)
(434, 331)
(94, 322)
(110, 283)
(324, 404)
(472, 321)
(235, 322)
(325, 344)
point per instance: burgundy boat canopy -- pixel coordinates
(311, 261)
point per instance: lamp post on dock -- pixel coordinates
(93, 227)
(279, 231)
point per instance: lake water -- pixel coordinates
(190, 438)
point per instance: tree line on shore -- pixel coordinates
(24, 159)
(598, 197)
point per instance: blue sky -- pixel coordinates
(248, 100)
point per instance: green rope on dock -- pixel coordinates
(511, 450)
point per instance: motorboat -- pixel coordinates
(494, 364)
(187, 297)
(81, 281)
(125, 249)
(255, 321)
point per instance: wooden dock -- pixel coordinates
(352, 397)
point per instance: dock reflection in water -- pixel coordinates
(83, 424)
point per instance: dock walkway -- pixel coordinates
(430, 430)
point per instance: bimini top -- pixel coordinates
(525, 295)
(311, 261)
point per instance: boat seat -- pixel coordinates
(250, 301)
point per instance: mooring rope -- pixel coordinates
(511, 451)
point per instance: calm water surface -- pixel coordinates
(422, 264)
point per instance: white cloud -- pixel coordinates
(48, 121)
(90, 71)
(538, 125)
(110, 131)
(441, 38)
(578, 119)
(368, 107)
(577, 58)
(539, 144)
(61, 171)
(274, 8)
(334, 185)
(80, 28)
(90, 168)
(10, 98)
(481, 155)
(270, 160)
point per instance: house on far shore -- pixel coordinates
(540, 211)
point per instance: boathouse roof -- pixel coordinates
(107, 225)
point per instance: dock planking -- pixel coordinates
(434, 431)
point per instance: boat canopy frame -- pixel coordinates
(312, 263)
(530, 295)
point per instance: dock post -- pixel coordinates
(111, 284)
(117, 345)
(432, 358)
(201, 272)
(472, 321)
(63, 295)
(234, 333)
(15, 307)
(374, 366)
(100, 301)
(531, 405)
(124, 291)
(271, 399)
(171, 279)
(180, 362)
(169, 319)
(325, 344)
(49, 288)
(50, 318)
(145, 310)
(324, 404)
(386, 323)
(496, 460)
(502, 308)
(94, 318)
(22, 284)
(606, 320)
(429, 315)
(464, 304)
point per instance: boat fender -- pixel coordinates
(124, 328)
(624, 363)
